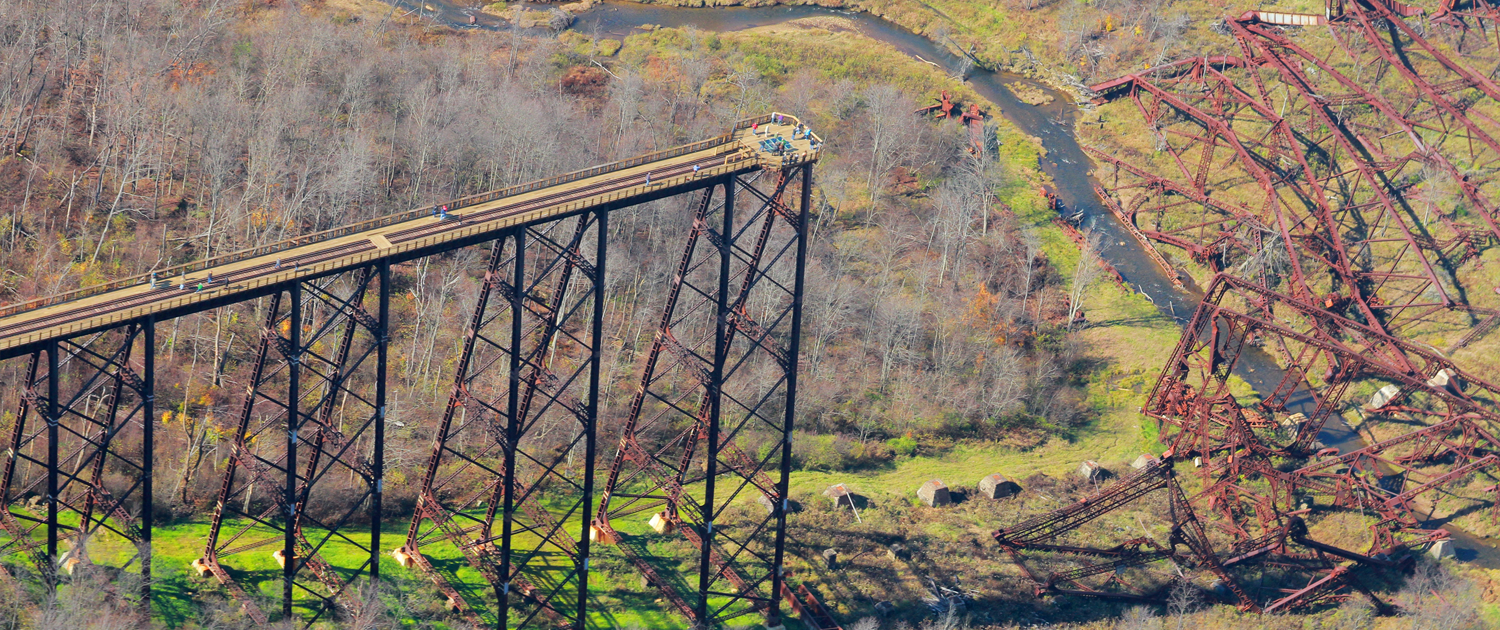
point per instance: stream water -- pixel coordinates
(1053, 124)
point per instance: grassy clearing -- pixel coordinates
(179, 594)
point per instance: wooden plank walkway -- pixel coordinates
(208, 284)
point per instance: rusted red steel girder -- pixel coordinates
(1477, 79)
(1131, 553)
(1039, 534)
(1318, 561)
(1082, 242)
(325, 351)
(1203, 92)
(695, 401)
(1481, 16)
(971, 117)
(1332, 177)
(1475, 8)
(1115, 88)
(944, 108)
(1192, 402)
(1173, 274)
(808, 609)
(519, 408)
(1377, 179)
(1049, 526)
(1381, 479)
(86, 408)
(1406, 115)
(1300, 220)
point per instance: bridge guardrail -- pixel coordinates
(732, 162)
(390, 219)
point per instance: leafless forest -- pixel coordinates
(137, 134)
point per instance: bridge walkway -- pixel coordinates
(750, 145)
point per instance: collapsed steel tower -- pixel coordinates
(1343, 200)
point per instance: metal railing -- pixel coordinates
(390, 219)
(732, 163)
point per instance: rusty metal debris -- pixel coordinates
(1342, 198)
(972, 117)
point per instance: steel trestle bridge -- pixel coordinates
(509, 487)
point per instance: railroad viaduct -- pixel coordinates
(316, 403)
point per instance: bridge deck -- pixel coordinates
(242, 275)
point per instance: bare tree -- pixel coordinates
(1433, 598)
(891, 136)
(1182, 601)
(1088, 269)
(1139, 618)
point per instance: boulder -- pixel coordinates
(402, 558)
(1144, 461)
(1293, 420)
(884, 609)
(1441, 549)
(831, 558)
(934, 493)
(1382, 397)
(896, 551)
(1446, 379)
(280, 557)
(996, 486)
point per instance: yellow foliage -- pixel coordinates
(982, 306)
(980, 315)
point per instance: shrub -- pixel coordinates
(905, 446)
(832, 453)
